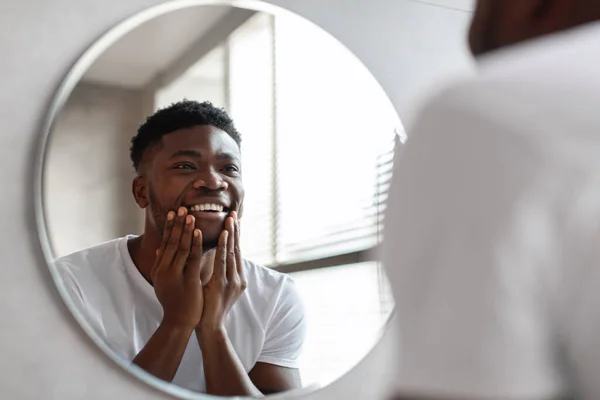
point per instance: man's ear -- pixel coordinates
(139, 189)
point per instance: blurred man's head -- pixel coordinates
(499, 23)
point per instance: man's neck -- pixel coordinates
(142, 251)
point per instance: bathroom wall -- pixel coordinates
(89, 175)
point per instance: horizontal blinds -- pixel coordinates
(356, 232)
(385, 166)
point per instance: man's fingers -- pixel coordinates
(175, 237)
(185, 246)
(192, 271)
(167, 230)
(230, 267)
(239, 262)
(221, 257)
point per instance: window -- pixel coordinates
(318, 137)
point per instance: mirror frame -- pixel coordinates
(62, 94)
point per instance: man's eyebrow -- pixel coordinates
(197, 154)
(227, 157)
(186, 153)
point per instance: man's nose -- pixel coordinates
(211, 181)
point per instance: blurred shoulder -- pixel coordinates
(537, 100)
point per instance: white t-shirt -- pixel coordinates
(266, 324)
(492, 236)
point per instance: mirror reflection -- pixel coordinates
(213, 193)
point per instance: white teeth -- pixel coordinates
(207, 207)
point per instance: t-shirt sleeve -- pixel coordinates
(470, 249)
(285, 335)
(79, 305)
(72, 291)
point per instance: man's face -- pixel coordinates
(198, 168)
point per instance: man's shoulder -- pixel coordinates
(542, 93)
(274, 290)
(571, 50)
(565, 60)
(264, 275)
(87, 274)
(267, 283)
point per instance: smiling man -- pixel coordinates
(179, 300)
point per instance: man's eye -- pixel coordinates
(231, 168)
(184, 166)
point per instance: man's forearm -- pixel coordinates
(223, 370)
(162, 354)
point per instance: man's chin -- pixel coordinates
(211, 230)
(210, 245)
(210, 237)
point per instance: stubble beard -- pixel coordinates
(158, 213)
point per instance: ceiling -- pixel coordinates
(149, 49)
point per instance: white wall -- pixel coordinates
(88, 174)
(408, 45)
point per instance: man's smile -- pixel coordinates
(209, 210)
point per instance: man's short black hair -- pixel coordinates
(180, 115)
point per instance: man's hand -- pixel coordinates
(176, 272)
(223, 371)
(175, 276)
(227, 282)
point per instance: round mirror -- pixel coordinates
(211, 189)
